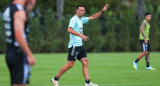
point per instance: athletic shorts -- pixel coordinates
(145, 47)
(18, 66)
(77, 52)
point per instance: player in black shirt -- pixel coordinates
(19, 57)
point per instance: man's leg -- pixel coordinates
(148, 67)
(139, 57)
(85, 63)
(18, 68)
(144, 49)
(65, 68)
(147, 59)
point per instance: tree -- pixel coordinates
(140, 9)
(59, 8)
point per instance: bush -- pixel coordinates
(116, 30)
(2, 36)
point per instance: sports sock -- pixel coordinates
(56, 78)
(87, 81)
(136, 61)
(147, 64)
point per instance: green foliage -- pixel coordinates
(93, 30)
(36, 36)
(92, 4)
(116, 30)
(3, 3)
(2, 36)
(44, 37)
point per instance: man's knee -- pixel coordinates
(86, 62)
(146, 52)
(70, 65)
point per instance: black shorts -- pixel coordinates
(78, 52)
(145, 47)
(18, 66)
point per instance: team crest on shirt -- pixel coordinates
(81, 30)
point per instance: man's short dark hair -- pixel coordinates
(147, 13)
(77, 7)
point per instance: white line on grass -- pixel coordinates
(126, 84)
(105, 84)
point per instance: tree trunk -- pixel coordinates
(140, 9)
(59, 8)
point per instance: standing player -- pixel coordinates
(19, 57)
(145, 42)
(76, 48)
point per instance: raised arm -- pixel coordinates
(19, 25)
(99, 13)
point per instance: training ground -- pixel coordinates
(105, 69)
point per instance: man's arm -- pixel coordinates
(142, 29)
(19, 25)
(70, 30)
(99, 13)
(143, 24)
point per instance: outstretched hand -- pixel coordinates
(105, 7)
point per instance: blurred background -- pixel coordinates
(117, 30)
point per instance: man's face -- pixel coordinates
(30, 4)
(80, 11)
(148, 17)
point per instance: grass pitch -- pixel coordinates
(105, 69)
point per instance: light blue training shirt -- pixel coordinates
(77, 25)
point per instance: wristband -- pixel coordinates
(102, 11)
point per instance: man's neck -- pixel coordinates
(147, 21)
(78, 16)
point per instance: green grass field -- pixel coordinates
(105, 69)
